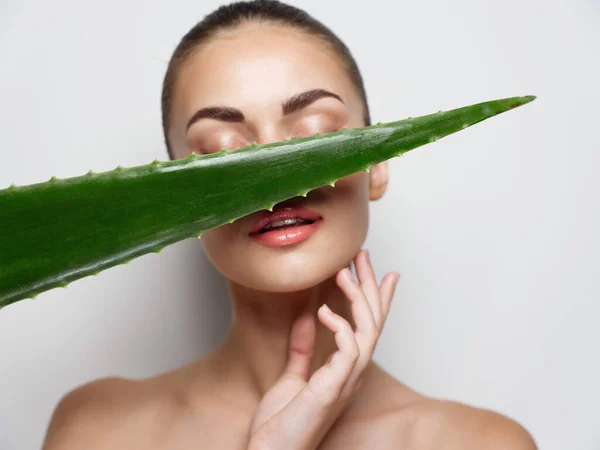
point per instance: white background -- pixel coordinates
(494, 229)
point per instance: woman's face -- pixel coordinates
(264, 83)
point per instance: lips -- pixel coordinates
(288, 224)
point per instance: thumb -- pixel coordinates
(301, 346)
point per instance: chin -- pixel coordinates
(291, 273)
(288, 269)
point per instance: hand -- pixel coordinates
(295, 414)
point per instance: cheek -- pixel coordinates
(351, 192)
(349, 204)
(219, 244)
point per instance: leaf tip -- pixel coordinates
(519, 101)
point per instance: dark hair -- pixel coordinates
(229, 16)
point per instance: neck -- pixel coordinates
(254, 353)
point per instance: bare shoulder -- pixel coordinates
(441, 424)
(158, 412)
(103, 414)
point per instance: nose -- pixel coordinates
(268, 132)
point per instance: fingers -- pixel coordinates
(368, 284)
(361, 310)
(327, 382)
(369, 304)
(301, 347)
(386, 291)
(344, 359)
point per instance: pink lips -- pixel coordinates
(286, 225)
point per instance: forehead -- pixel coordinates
(256, 67)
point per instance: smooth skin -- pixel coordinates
(295, 370)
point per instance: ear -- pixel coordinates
(378, 179)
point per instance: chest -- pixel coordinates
(227, 436)
(222, 431)
(360, 437)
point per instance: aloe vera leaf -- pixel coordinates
(55, 232)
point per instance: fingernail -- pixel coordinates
(326, 308)
(368, 256)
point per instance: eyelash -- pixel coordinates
(297, 135)
(294, 135)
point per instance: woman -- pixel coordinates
(295, 370)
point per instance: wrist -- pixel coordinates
(258, 443)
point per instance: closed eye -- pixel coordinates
(313, 127)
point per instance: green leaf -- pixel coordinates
(55, 232)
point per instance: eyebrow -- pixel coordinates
(223, 113)
(304, 99)
(291, 105)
